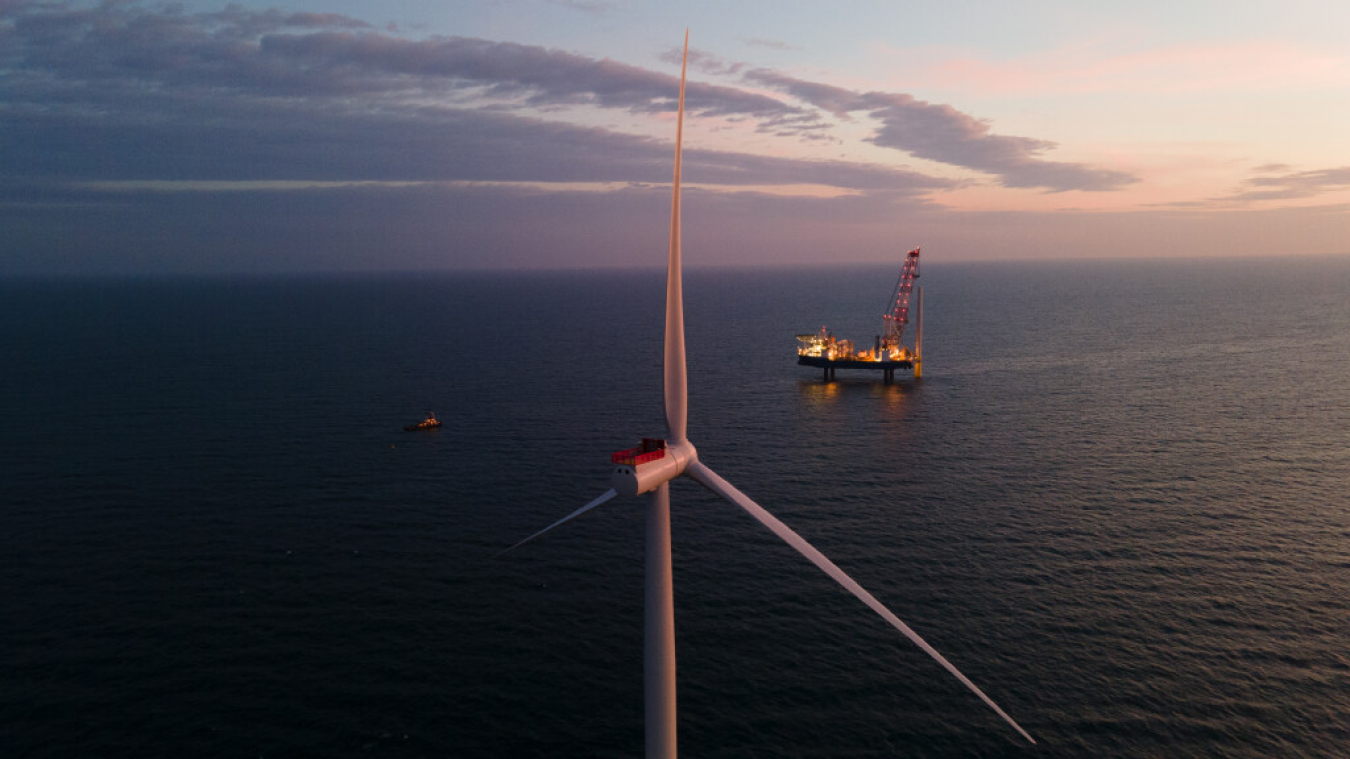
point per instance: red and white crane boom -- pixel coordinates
(894, 321)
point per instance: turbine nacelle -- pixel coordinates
(649, 465)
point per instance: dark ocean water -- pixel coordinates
(1119, 500)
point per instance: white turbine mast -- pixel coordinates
(649, 469)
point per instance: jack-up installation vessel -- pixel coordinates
(888, 351)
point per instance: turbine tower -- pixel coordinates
(651, 466)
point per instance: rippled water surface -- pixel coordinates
(1117, 500)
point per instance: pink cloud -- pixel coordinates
(1174, 69)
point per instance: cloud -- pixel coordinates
(108, 57)
(1241, 66)
(1276, 182)
(593, 7)
(124, 92)
(941, 133)
(264, 140)
(543, 77)
(703, 61)
(771, 44)
(1290, 185)
(299, 55)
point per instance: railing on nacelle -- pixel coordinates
(652, 449)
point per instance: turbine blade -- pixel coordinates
(676, 386)
(608, 494)
(710, 480)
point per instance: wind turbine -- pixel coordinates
(649, 469)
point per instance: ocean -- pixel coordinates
(1117, 500)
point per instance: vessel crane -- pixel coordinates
(893, 323)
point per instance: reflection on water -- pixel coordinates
(817, 393)
(861, 408)
(894, 398)
(890, 400)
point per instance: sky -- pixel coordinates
(353, 135)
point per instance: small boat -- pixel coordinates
(430, 423)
